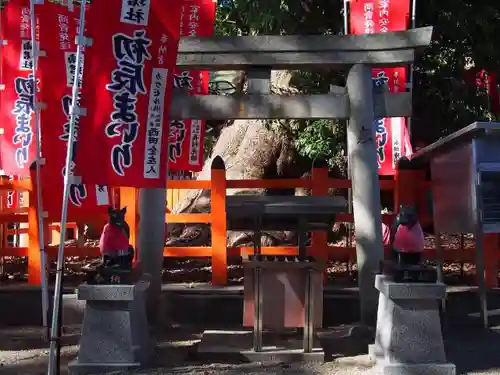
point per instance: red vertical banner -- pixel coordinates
(382, 16)
(391, 132)
(485, 81)
(58, 29)
(493, 93)
(17, 116)
(186, 137)
(127, 86)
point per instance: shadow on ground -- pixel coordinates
(473, 349)
(32, 338)
(470, 347)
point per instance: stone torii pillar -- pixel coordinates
(152, 209)
(365, 187)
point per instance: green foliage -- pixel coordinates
(466, 32)
(251, 17)
(321, 139)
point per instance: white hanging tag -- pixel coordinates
(102, 195)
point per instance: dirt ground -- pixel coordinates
(23, 352)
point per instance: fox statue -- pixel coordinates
(114, 244)
(407, 237)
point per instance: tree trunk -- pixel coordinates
(251, 149)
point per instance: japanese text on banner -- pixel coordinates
(186, 137)
(126, 91)
(58, 23)
(14, 199)
(17, 113)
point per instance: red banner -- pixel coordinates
(17, 117)
(58, 29)
(382, 16)
(392, 137)
(126, 92)
(186, 137)
(493, 93)
(483, 80)
(378, 16)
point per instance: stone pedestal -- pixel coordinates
(115, 332)
(408, 337)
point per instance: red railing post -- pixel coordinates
(219, 222)
(490, 254)
(405, 185)
(319, 241)
(34, 260)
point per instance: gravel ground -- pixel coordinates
(23, 352)
(13, 270)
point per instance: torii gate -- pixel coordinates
(357, 102)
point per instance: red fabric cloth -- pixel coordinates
(409, 240)
(113, 239)
(386, 234)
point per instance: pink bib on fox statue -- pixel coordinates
(409, 239)
(406, 239)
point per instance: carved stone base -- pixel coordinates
(115, 332)
(110, 276)
(407, 273)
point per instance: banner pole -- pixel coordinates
(410, 82)
(346, 24)
(413, 14)
(39, 204)
(55, 340)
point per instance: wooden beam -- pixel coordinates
(255, 106)
(300, 51)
